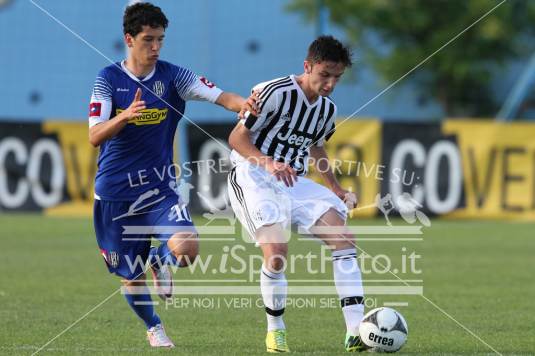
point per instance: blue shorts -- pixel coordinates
(124, 230)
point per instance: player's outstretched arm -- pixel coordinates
(230, 101)
(236, 103)
(106, 130)
(323, 167)
(240, 141)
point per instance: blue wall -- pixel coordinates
(48, 72)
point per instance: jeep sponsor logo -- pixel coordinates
(381, 339)
(300, 141)
(148, 117)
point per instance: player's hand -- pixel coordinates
(135, 107)
(251, 105)
(349, 198)
(282, 172)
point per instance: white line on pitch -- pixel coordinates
(395, 304)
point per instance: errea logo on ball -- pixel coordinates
(381, 339)
(148, 117)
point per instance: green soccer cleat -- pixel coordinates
(276, 341)
(354, 344)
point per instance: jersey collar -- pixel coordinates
(131, 75)
(292, 77)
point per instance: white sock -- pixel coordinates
(274, 289)
(348, 282)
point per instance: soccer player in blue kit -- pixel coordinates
(134, 111)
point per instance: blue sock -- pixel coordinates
(145, 310)
(158, 256)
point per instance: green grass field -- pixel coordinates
(480, 273)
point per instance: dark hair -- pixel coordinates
(328, 48)
(142, 14)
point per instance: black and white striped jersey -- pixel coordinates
(288, 124)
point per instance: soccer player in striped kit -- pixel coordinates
(268, 188)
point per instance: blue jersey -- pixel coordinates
(140, 157)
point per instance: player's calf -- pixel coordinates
(273, 284)
(347, 275)
(138, 297)
(179, 251)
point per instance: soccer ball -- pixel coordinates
(383, 330)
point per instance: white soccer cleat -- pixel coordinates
(158, 338)
(163, 281)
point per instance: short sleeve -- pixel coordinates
(193, 87)
(329, 126)
(101, 100)
(268, 104)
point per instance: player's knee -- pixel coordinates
(276, 264)
(184, 248)
(188, 257)
(275, 257)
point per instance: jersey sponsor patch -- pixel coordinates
(206, 82)
(148, 116)
(94, 109)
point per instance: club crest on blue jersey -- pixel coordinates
(158, 88)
